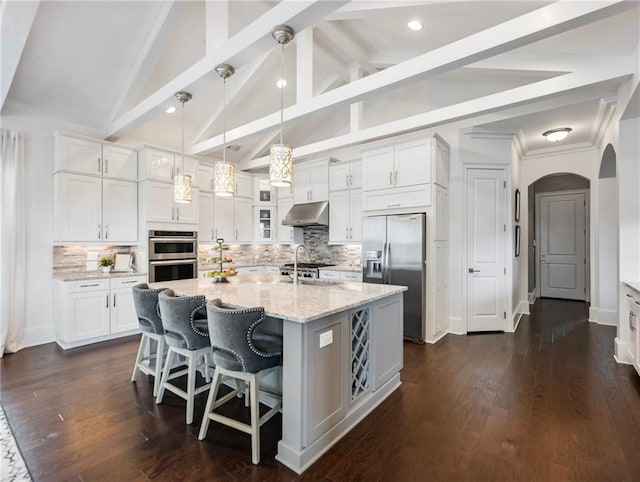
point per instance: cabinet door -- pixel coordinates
(441, 164)
(159, 202)
(355, 216)
(319, 182)
(284, 192)
(264, 218)
(123, 312)
(79, 155)
(284, 233)
(120, 211)
(441, 292)
(191, 165)
(412, 164)
(301, 186)
(243, 220)
(223, 218)
(88, 314)
(339, 217)
(263, 192)
(205, 177)
(441, 214)
(339, 176)
(355, 175)
(159, 165)
(244, 185)
(119, 162)
(77, 207)
(386, 340)
(188, 212)
(377, 169)
(205, 217)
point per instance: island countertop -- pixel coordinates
(299, 303)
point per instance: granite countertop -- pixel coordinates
(634, 285)
(299, 303)
(214, 266)
(82, 275)
(352, 268)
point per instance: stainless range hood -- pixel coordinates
(310, 214)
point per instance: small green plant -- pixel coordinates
(106, 262)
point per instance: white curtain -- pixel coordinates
(13, 256)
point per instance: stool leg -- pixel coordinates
(191, 385)
(165, 375)
(213, 392)
(159, 360)
(143, 339)
(255, 420)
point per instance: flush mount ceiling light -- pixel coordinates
(281, 84)
(171, 110)
(182, 181)
(224, 173)
(556, 135)
(415, 25)
(281, 155)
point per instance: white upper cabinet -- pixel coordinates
(205, 217)
(263, 192)
(233, 219)
(244, 185)
(442, 165)
(161, 208)
(159, 165)
(243, 220)
(119, 210)
(85, 156)
(345, 175)
(345, 201)
(223, 218)
(311, 182)
(412, 164)
(379, 167)
(287, 234)
(205, 177)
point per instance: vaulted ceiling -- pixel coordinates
(354, 72)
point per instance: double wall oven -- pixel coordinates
(173, 255)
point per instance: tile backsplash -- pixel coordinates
(74, 258)
(316, 240)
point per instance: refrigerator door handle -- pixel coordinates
(384, 263)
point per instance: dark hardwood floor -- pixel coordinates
(546, 403)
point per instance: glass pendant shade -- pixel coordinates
(224, 179)
(182, 188)
(280, 165)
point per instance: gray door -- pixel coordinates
(374, 238)
(405, 257)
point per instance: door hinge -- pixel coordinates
(505, 315)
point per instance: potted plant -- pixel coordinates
(106, 262)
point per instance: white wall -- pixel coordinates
(38, 152)
(585, 163)
(607, 258)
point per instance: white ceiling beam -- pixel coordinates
(345, 46)
(152, 50)
(544, 62)
(15, 24)
(304, 65)
(355, 109)
(253, 40)
(389, 58)
(330, 82)
(371, 9)
(538, 91)
(217, 24)
(552, 19)
(238, 86)
(261, 145)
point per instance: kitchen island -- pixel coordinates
(341, 358)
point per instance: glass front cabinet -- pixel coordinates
(265, 217)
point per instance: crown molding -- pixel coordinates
(602, 119)
(487, 133)
(554, 151)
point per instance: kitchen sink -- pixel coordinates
(312, 281)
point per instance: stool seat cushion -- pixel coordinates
(267, 342)
(185, 320)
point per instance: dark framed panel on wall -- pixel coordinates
(516, 240)
(516, 209)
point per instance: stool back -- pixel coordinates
(145, 300)
(184, 320)
(230, 332)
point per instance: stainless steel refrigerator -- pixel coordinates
(394, 252)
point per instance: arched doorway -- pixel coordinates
(558, 240)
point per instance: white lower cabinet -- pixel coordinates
(355, 276)
(94, 310)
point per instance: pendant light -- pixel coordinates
(281, 155)
(182, 181)
(224, 174)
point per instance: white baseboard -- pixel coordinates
(603, 317)
(620, 352)
(516, 316)
(532, 297)
(455, 326)
(39, 335)
(437, 338)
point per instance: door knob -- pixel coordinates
(471, 270)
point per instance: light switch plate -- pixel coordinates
(326, 338)
(92, 265)
(92, 256)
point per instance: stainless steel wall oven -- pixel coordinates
(173, 255)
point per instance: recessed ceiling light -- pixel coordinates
(171, 110)
(556, 135)
(282, 83)
(415, 25)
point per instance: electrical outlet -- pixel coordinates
(92, 256)
(326, 338)
(92, 265)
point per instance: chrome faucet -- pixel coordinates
(295, 263)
